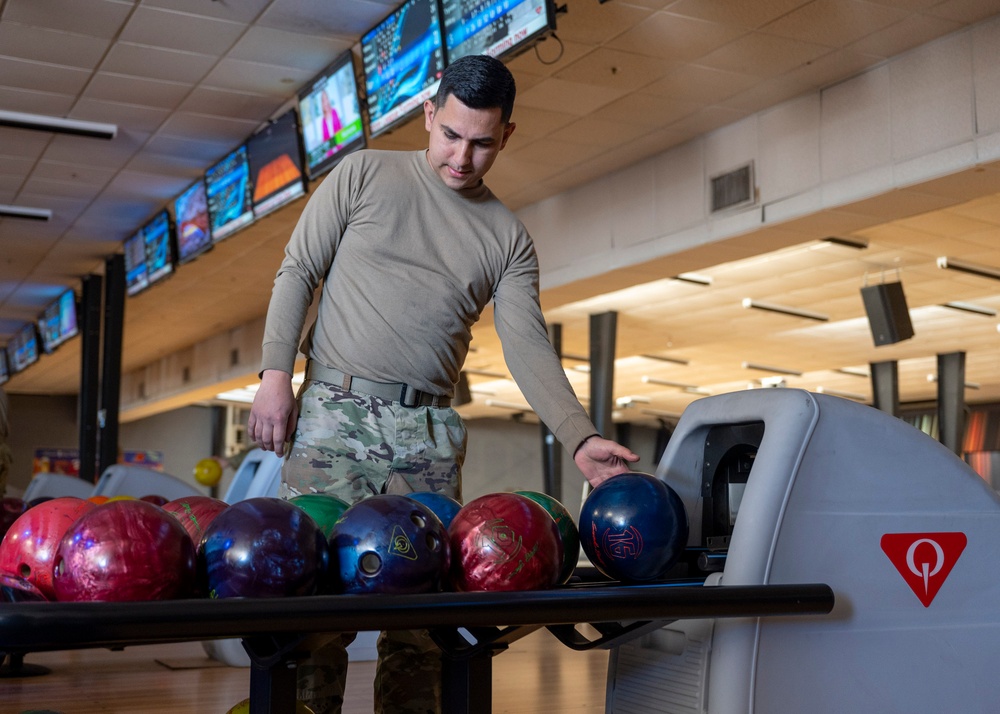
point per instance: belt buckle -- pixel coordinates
(409, 397)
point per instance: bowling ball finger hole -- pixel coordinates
(418, 520)
(24, 571)
(370, 563)
(433, 542)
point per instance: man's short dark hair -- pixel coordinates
(479, 82)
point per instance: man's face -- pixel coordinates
(464, 142)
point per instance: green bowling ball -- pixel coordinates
(323, 508)
(568, 531)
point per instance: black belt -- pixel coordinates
(406, 395)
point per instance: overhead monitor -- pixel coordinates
(159, 245)
(229, 199)
(403, 58)
(58, 321)
(194, 236)
(22, 349)
(136, 275)
(4, 369)
(500, 28)
(330, 113)
(276, 172)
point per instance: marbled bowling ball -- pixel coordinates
(568, 531)
(444, 507)
(504, 542)
(633, 527)
(28, 551)
(389, 544)
(124, 551)
(195, 513)
(262, 547)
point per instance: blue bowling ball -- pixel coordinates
(389, 544)
(444, 507)
(262, 547)
(633, 527)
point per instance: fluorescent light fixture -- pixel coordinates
(694, 278)
(499, 404)
(40, 122)
(784, 310)
(768, 368)
(855, 372)
(585, 368)
(969, 307)
(34, 214)
(668, 383)
(968, 385)
(624, 402)
(983, 271)
(857, 243)
(845, 395)
(663, 358)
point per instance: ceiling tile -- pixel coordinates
(144, 119)
(57, 171)
(834, 23)
(738, 12)
(267, 79)
(572, 97)
(157, 63)
(601, 132)
(144, 187)
(345, 18)
(243, 11)
(594, 28)
(912, 31)
(676, 37)
(650, 110)
(230, 103)
(72, 189)
(24, 74)
(51, 46)
(202, 127)
(100, 18)
(293, 49)
(136, 90)
(615, 69)
(16, 167)
(35, 102)
(965, 11)
(178, 31)
(95, 152)
(533, 123)
(695, 83)
(548, 57)
(206, 151)
(763, 55)
(24, 142)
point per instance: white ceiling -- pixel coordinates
(187, 80)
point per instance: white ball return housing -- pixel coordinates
(786, 486)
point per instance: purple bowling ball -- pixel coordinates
(262, 547)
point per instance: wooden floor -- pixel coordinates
(537, 674)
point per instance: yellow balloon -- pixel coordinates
(244, 708)
(207, 472)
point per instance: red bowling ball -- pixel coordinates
(195, 513)
(124, 551)
(29, 549)
(504, 542)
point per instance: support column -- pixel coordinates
(111, 371)
(951, 399)
(90, 374)
(885, 386)
(603, 328)
(552, 449)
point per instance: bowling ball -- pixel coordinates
(99, 499)
(195, 513)
(389, 544)
(28, 551)
(41, 499)
(444, 507)
(15, 589)
(244, 707)
(633, 527)
(568, 532)
(208, 472)
(11, 509)
(504, 542)
(121, 497)
(262, 547)
(155, 499)
(324, 508)
(124, 551)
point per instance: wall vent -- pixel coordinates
(733, 189)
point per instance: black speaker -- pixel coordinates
(888, 315)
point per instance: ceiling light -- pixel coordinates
(855, 372)
(624, 402)
(662, 358)
(39, 122)
(983, 271)
(969, 307)
(968, 385)
(35, 214)
(858, 243)
(845, 395)
(768, 368)
(668, 383)
(694, 278)
(784, 310)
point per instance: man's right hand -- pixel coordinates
(273, 414)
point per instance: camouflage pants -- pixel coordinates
(355, 446)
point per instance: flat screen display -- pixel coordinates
(22, 350)
(227, 185)
(136, 275)
(159, 247)
(493, 27)
(194, 236)
(58, 322)
(275, 157)
(403, 59)
(330, 113)
(4, 371)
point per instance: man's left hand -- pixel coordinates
(600, 459)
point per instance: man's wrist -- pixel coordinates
(580, 445)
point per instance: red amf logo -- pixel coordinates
(924, 559)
